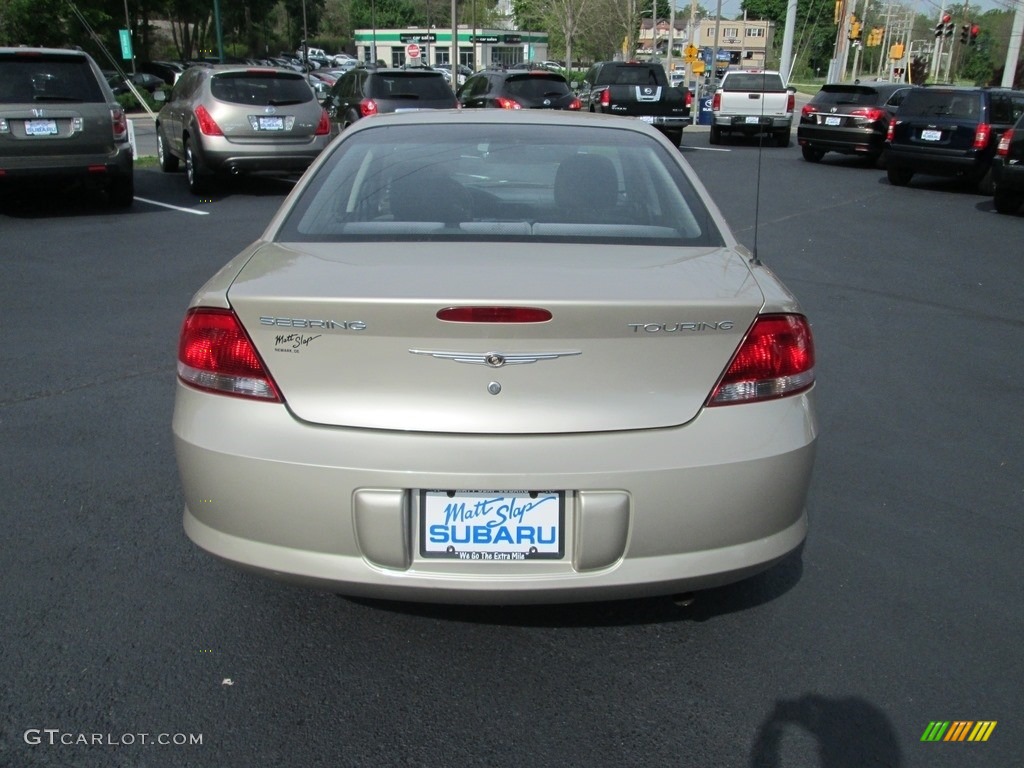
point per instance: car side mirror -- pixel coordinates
(159, 95)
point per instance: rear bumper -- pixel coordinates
(1009, 179)
(646, 512)
(220, 155)
(120, 162)
(843, 140)
(751, 123)
(937, 162)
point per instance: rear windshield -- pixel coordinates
(532, 86)
(930, 103)
(500, 182)
(32, 78)
(410, 85)
(849, 95)
(261, 88)
(753, 82)
(626, 75)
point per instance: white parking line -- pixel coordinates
(173, 207)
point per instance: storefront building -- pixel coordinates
(478, 48)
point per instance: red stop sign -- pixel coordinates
(412, 51)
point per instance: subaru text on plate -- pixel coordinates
(497, 357)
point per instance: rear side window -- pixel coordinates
(50, 78)
(260, 88)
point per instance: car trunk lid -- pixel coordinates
(353, 336)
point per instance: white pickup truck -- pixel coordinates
(752, 101)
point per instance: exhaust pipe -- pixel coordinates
(684, 600)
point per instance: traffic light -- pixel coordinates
(875, 37)
(939, 28)
(975, 29)
(855, 27)
(965, 33)
(948, 25)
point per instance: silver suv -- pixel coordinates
(236, 119)
(59, 122)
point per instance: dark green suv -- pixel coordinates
(950, 131)
(60, 122)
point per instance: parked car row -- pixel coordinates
(973, 134)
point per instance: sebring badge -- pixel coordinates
(494, 359)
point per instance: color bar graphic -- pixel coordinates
(958, 730)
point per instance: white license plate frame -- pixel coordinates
(41, 128)
(497, 526)
(832, 120)
(752, 120)
(270, 123)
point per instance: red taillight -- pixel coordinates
(324, 126)
(1003, 148)
(215, 353)
(504, 103)
(981, 135)
(206, 123)
(120, 122)
(494, 315)
(890, 132)
(367, 107)
(776, 359)
(716, 102)
(791, 102)
(606, 97)
(575, 104)
(870, 113)
(689, 97)
(807, 110)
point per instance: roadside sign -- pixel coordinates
(412, 51)
(126, 44)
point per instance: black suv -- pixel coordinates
(1008, 170)
(59, 122)
(950, 131)
(366, 91)
(518, 89)
(849, 118)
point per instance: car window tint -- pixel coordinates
(753, 82)
(533, 86)
(859, 96)
(260, 88)
(47, 78)
(525, 182)
(409, 85)
(930, 103)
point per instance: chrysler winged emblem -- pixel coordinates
(494, 359)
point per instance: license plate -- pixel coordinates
(833, 121)
(753, 120)
(274, 123)
(927, 135)
(492, 525)
(647, 118)
(41, 127)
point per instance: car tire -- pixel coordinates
(676, 137)
(168, 162)
(193, 172)
(783, 138)
(715, 136)
(899, 177)
(121, 192)
(812, 155)
(1005, 202)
